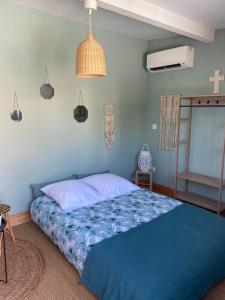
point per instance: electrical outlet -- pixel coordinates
(154, 169)
(154, 126)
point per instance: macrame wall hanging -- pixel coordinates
(80, 113)
(46, 90)
(169, 110)
(109, 127)
(16, 114)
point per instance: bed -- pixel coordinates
(140, 245)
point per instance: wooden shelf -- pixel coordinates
(184, 119)
(215, 100)
(206, 180)
(142, 183)
(184, 142)
(202, 97)
(201, 201)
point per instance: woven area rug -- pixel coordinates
(26, 266)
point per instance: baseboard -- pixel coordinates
(21, 218)
(162, 189)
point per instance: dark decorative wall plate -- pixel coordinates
(16, 115)
(80, 113)
(47, 91)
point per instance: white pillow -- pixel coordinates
(72, 194)
(110, 185)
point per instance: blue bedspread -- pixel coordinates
(76, 232)
(177, 256)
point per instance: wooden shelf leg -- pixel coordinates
(187, 159)
(10, 227)
(1, 234)
(150, 180)
(177, 148)
(221, 176)
(136, 178)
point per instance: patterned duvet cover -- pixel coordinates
(76, 232)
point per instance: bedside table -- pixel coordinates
(2, 237)
(144, 179)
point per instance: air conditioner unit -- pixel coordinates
(171, 59)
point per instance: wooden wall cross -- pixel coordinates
(216, 80)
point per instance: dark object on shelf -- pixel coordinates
(80, 113)
(2, 231)
(46, 90)
(16, 114)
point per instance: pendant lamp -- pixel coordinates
(90, 57)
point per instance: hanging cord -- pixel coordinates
(46, 78)
(16, 103)
(172, 79)
(81, 98)
(90, 25)
(110, 96)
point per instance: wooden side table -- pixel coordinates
(144, 179)
(2, 232)
(4, 210)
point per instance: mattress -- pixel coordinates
(76, 232)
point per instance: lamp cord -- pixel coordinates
(46, 78)
(16, 103)
(172, 79)
(81, 98)
(90, 25)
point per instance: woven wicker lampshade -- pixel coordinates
(90, 60)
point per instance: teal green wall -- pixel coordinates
(49, 143)
(207, 133)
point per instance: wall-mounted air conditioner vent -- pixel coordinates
(172, 59)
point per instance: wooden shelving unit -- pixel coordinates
(215, 205)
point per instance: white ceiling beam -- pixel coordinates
(149, 13)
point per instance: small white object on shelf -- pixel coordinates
(145, 159)
(154, 169)
(216, 80)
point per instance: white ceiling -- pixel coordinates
(208, 12)
(73, 10)
(139, 18)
